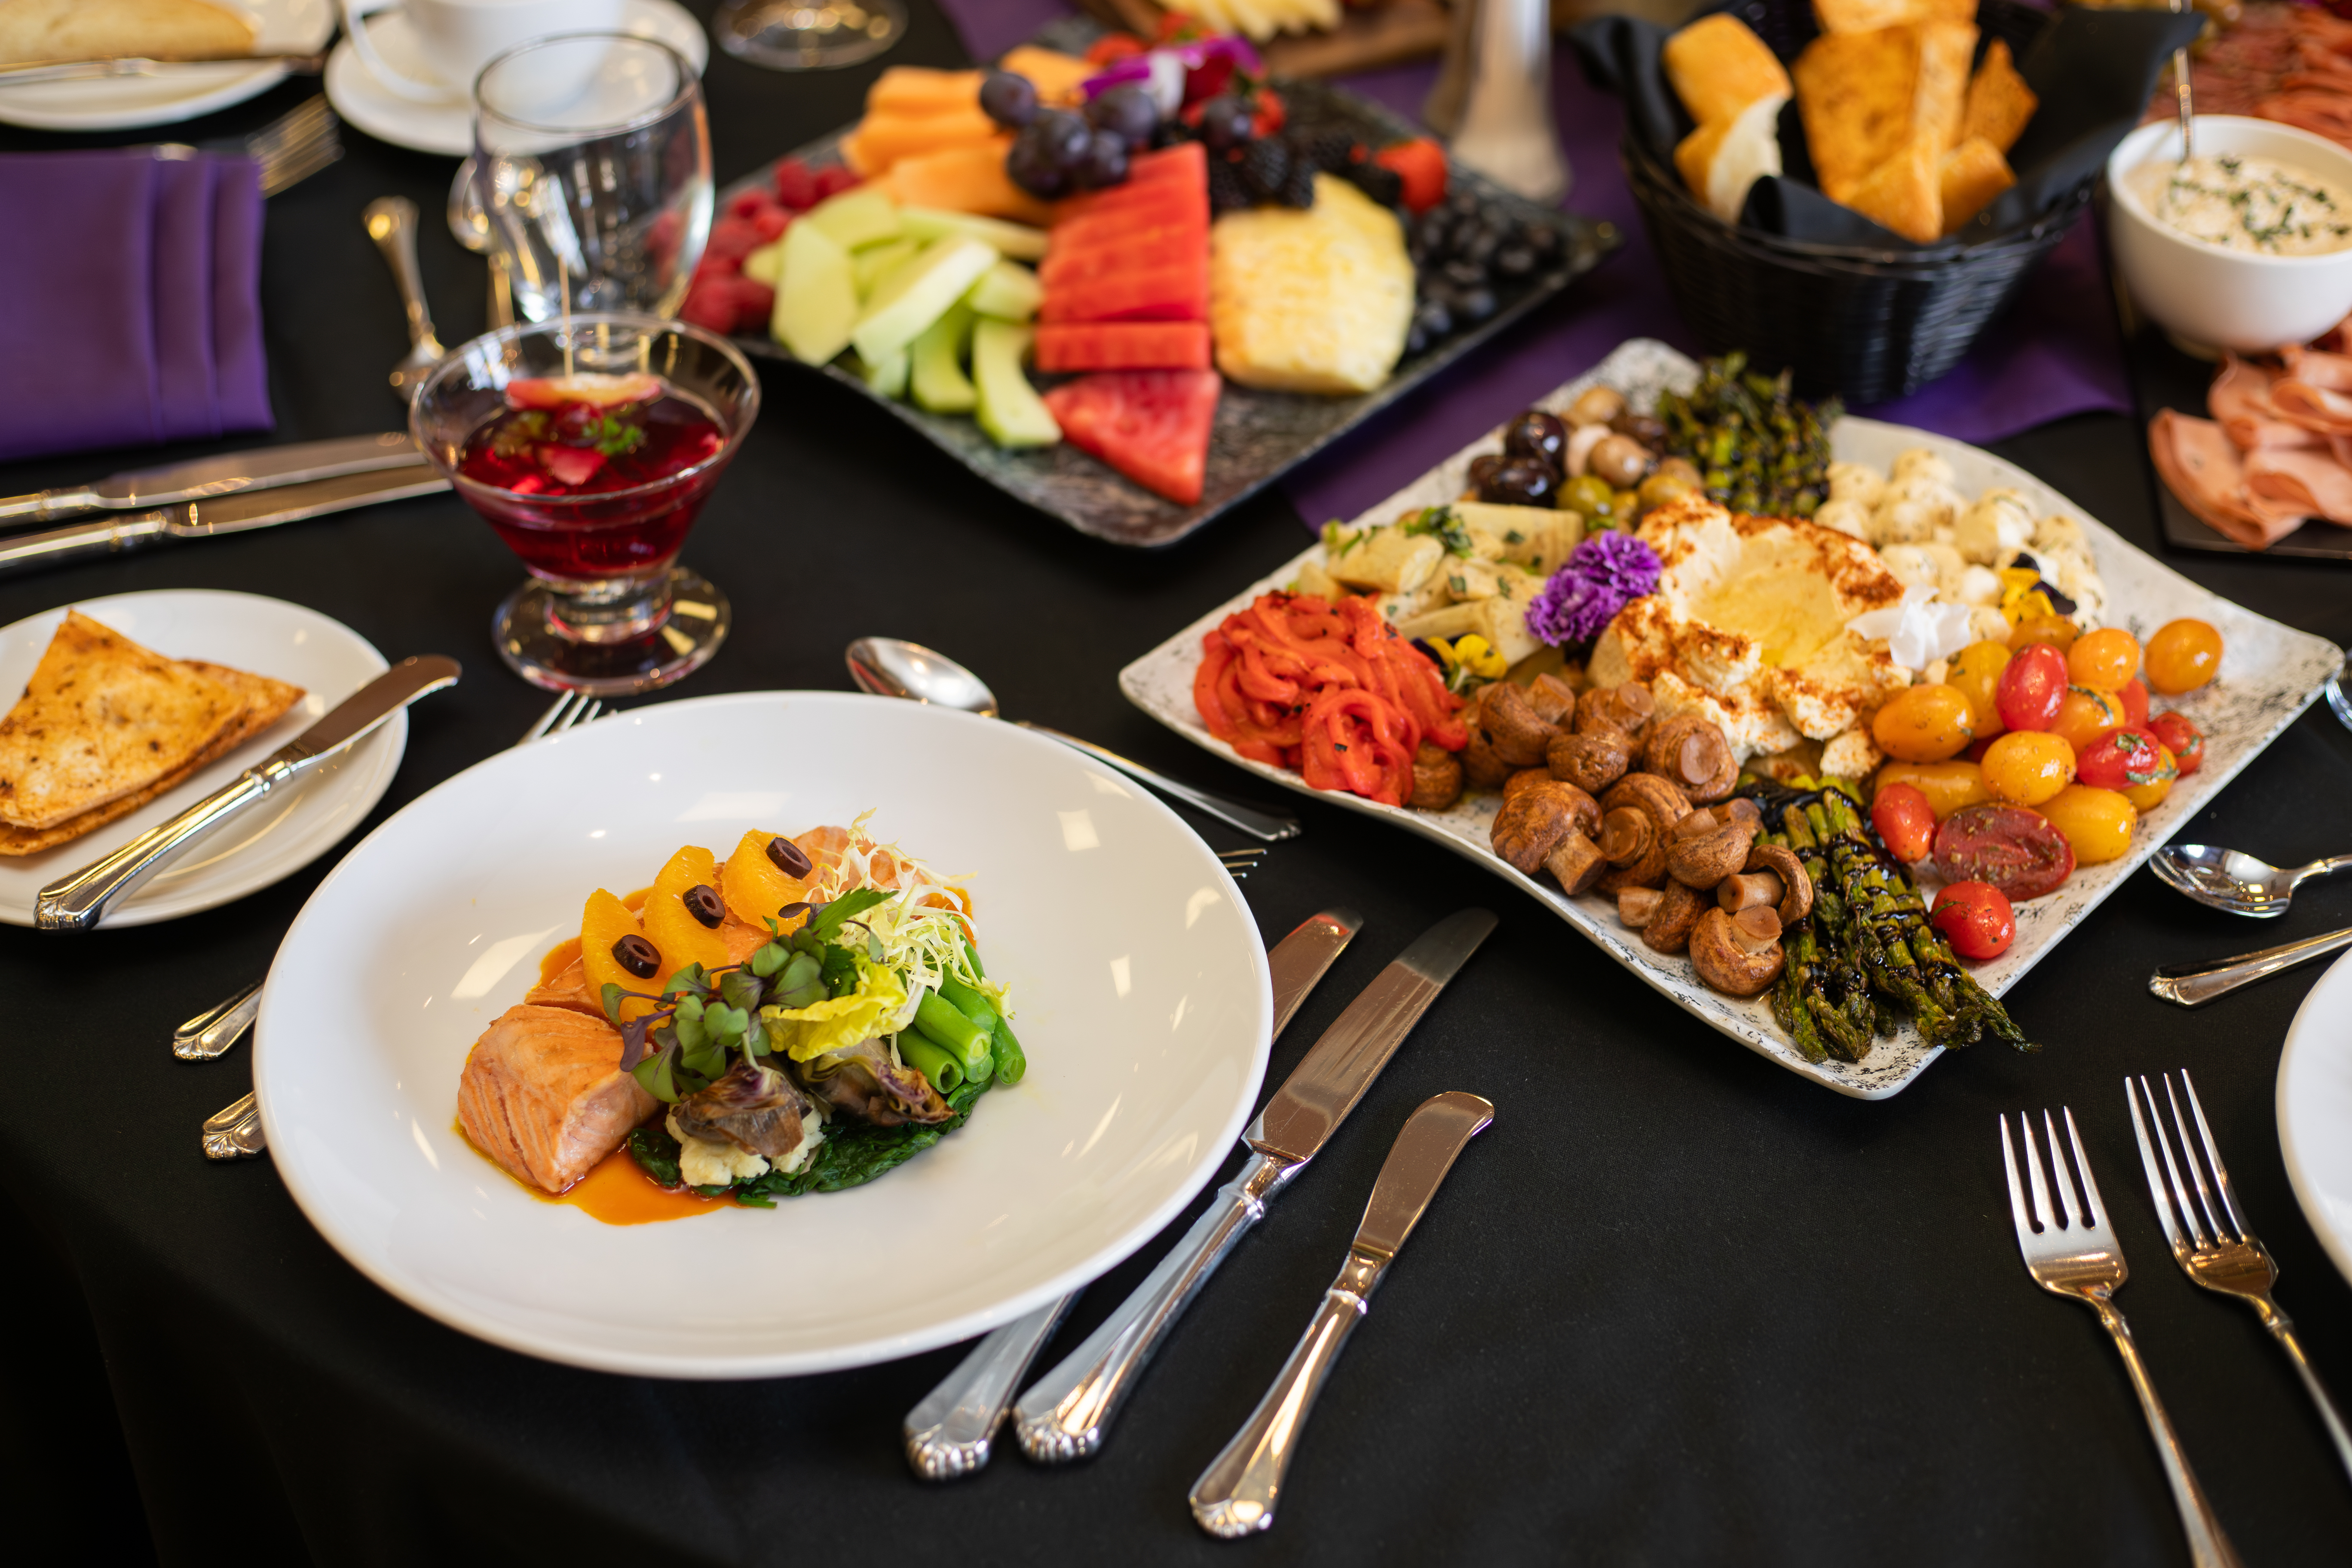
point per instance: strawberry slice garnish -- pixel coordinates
(573, 465)
(592, 387)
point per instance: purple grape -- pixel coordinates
(1063, 133)
(1036, 167)
(1128, 110)
(1226, 121)
(1105, 162)
(1009, 100)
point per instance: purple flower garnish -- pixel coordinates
(1603, 575)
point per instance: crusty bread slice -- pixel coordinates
(1905, 193)
(1945, 50)
(1858, 93)
(1870, 16)
(1718, 66)
(1971, 175)
(33, 31)
(1999, 101)
(1721, 160)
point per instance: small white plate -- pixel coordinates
(1136, 975)
(2315, 1110)
(183, 93)
(449, 128)
(266, 636)
(2270, 674)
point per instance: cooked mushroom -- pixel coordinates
(752, 1107)
(1739, 954)
(1518, 732)
(1592, 761)
(1534, 823)
(1524, 780)
(1797, 901)
(1677, 914)
(1661, 806)
(1740, 806)
(1701, 860)
(1698, 824)
(1748, 890)
(1576, 863)
(1620, 460)
(1693, 753)
(1437, 778)
(1627, 707)
(1481, 768)
(1637, 905)
(866, 1082)
(1596, 406)
(1626, 835)
(1553, 700)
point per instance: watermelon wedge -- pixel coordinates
(1173, 293)
(1123, 345)
(1150, 424)
(1186, 164)
(1068, 262)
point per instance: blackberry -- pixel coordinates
(1169, 133)
(1333, 151)
(1298, 185)
(1385, 186)
(1265, 166)
(1228, 192)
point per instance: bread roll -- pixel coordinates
(35, 30)
(1719, 161)
(1719, 67)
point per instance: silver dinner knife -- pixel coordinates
(1064, 1415)
(951, 1432)
(227, 474)
(233, 514)
(1236, 1495)
(80, 901)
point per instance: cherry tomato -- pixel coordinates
(2084, 715)
(2145, 798)
(2055, 631)
(2097, 823)
(2010, 847)
(2030, 686)
(1977, 748)
(2028, 766)
(2120, 759)
(2182, 738)
(1922, 724)
(1975, 672)
(1947, 786)
(1975, 917)
(1904, 819)
(2183, 655)
(2104, 659)
(2134, 697)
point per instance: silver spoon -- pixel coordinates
(2235, 881)
(891, 666)
(471, 226)
(391, 224)
(2339, 695)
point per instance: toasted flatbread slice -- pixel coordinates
(1969, 176)
(1942, 93)
(1998, 102)
(1870, 16)
(102, 718)
(1858, 93)
(1905, 193)
(33, 30)
(1718, 66)
(1721, 160)
(266, 701)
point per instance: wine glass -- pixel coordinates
(590, 445)
(808, 34)
(591, 173)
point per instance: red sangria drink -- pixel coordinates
(592, 465)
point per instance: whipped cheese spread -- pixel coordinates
(2243, 203)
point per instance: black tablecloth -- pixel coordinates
(1677, 1305)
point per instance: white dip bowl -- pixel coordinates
(2209, 298)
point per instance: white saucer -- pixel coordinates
(449, 128)
(2315, 1110)
(123, 104)
(246, 631)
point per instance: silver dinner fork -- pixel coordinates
(290, 149)
(2071, 1251)
(1240, 863)
(2224, 1258)
(233, 1132)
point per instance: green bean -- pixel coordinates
(972, 1004)
(949, 1030)
(945, 1073)
(973, 953)
(1012, 1061)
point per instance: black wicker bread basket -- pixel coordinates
(1866, 325)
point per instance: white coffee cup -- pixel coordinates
(455, 39)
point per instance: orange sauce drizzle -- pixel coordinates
(560, 957)
(616, 1189)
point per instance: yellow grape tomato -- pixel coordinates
(1923, 724)
(1948, 785)
(1974, 674)
(2097, 822)
(2028, 766)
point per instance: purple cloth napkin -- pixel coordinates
(130, 300)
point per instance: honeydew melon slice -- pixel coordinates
(918, 292)
(938, 383)
(1009, 291)
(1010, 409)
(1017, 240)
(816, 296)
(863, 215)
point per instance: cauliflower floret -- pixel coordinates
(1978, 585)
(1852, 755)
(1921, 463)
(1857, 482)
(1848, 517)
(1901, 521)
(711, 1162)
(1997, 527)
(2058, 535)
(1987, 624)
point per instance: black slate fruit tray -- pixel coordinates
(1258, 435)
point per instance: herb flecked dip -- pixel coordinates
(2246, 204)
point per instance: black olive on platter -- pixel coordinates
(1521, 481)
(1483, 468)
(1647, 428)
(1536, 434)
(704, 904)
(639, 956)
(788, 858)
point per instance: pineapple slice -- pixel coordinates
(1317, 300)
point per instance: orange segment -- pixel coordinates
(683, 939)
(689, 868)
(755, 886)
(606, 922)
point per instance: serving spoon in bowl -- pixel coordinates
(2234, 882)
(892, 667)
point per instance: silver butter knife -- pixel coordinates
(2194, 985)
(232, 514)
(951, 1432)
(225, 475)
(80, 901)
(1236, 1495)
(1064, 1415)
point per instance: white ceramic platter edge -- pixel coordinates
(268, 841)
(1137, 978)
(2315, 1110)
(2271, 673)
(183, 93)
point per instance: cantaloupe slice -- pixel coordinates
(918, 90)
(965, 180)
(1054, 75)
(880, 140)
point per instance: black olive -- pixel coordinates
(704, 904)
(1483, 468)
(1647, 428)
(1536, 434)
(1521, 481)
(788, 858)
(639, 956)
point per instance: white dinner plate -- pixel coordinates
(245, 631)
(2315, 1110)
(1135, 971)
(182, 92)
(2270, 674)
(449, 128)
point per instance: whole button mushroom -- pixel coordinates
(1536, 822)
(1592, 761)
(1437, 778)
(1739, 954)
(1620, 460)
(1519, 734)
(1669, 927)
(1692, 753)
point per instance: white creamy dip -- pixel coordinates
(2242, 203)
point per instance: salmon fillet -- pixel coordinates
(543, 1094)
(568, 988)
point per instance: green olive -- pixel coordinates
(1588, 494)
(1661, 487)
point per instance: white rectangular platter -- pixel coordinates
(2270, 673)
